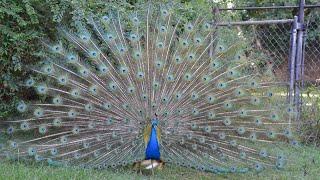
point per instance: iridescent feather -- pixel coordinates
(217, 112)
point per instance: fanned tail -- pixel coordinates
(101, 88)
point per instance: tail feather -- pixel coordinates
(218, 111)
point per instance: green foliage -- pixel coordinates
(23, 25)
(265, 14)
(18, 34)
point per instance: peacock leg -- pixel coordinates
(152, 168)
(161, 164)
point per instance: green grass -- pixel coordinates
(304, 164)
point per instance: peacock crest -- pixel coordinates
(102, 85)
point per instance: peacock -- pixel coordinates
(146, 89)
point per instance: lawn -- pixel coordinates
(304, 163)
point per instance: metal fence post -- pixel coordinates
(215, 19)
(293, 50)
(299, 57)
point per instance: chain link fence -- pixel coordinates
(310, 128)
(271, 40)
(266, 41)
(312, 49)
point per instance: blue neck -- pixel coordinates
(152, 150)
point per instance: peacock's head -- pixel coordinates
(154, 121)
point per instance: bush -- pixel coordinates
(23, 26)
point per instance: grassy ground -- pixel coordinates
(304, 164)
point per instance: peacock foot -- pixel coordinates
(148, 165)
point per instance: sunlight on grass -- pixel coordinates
(304, 163)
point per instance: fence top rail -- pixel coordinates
(267, 7)
(282, 21)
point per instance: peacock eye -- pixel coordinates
(105, 18)
(164, 12)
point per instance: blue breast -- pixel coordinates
(152, 151)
